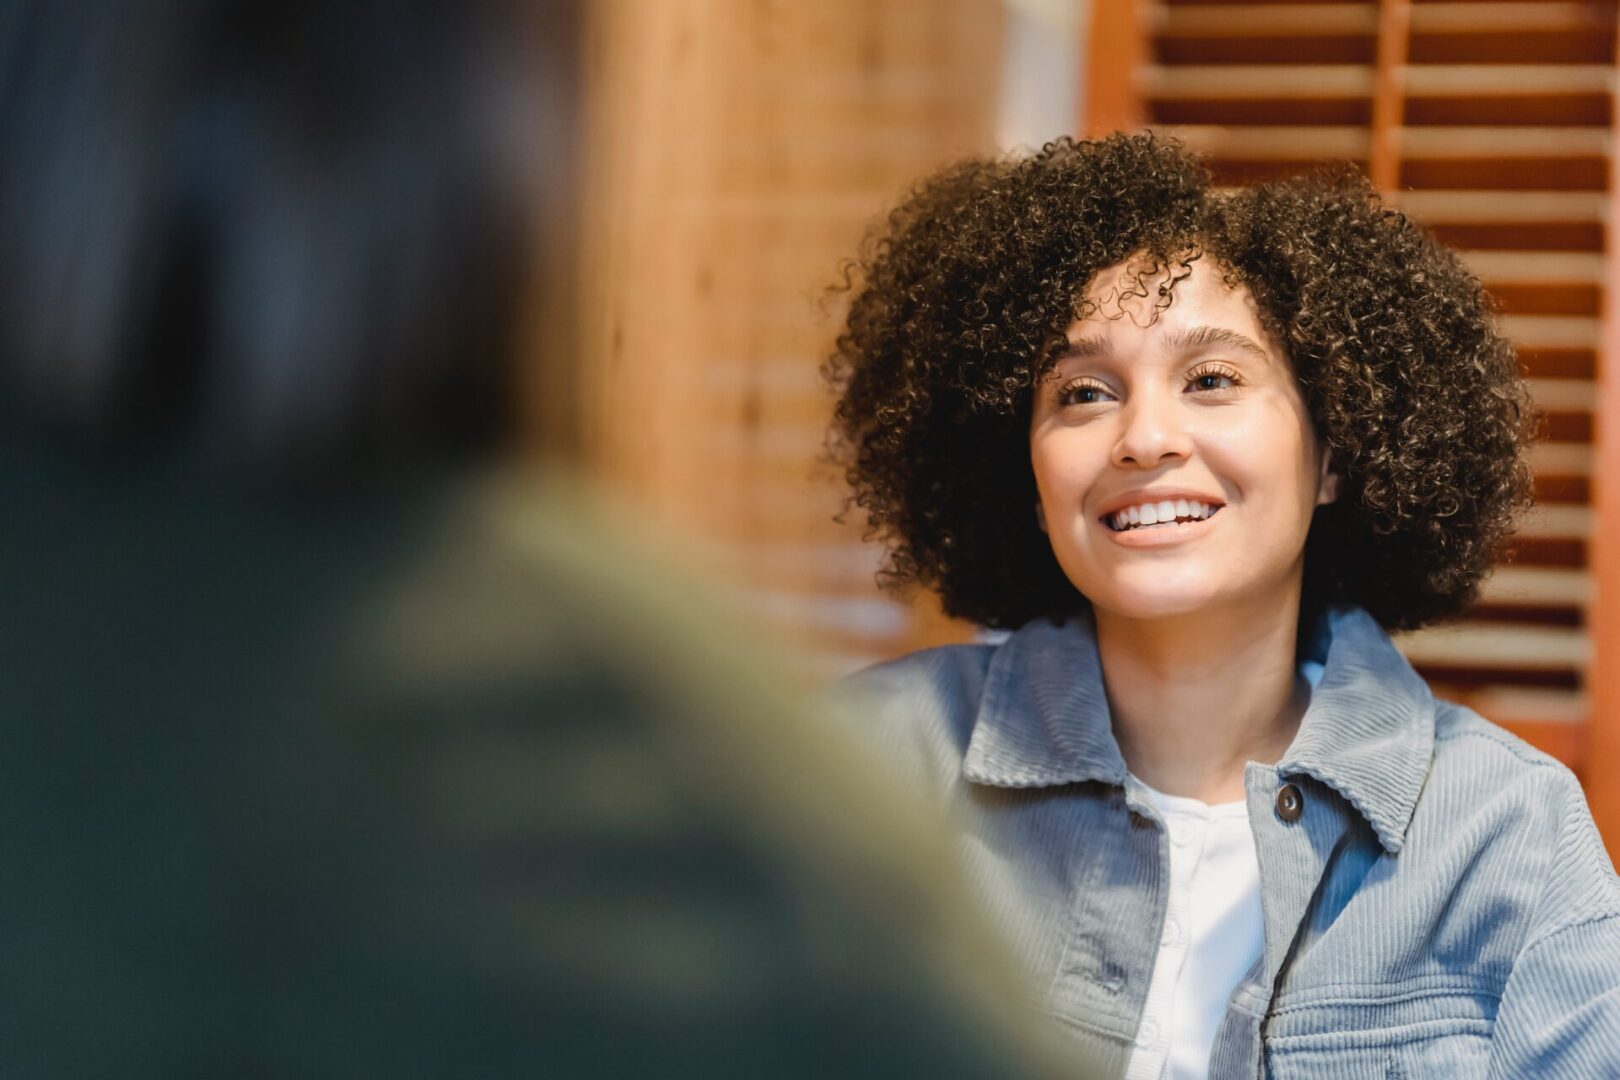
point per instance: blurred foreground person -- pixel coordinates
(333, 747)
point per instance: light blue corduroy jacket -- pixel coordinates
(1442, 906)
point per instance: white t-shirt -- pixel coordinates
(1213, 932)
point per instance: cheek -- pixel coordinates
(1267, 456)
(1064, 468)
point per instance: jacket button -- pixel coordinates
(1290, 803)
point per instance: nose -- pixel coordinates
(1152, 429)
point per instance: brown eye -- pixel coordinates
(1213, 380)
(1081, 394)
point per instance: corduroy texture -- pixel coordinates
(1442, 907)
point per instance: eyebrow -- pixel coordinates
(1192, 338)
(1213, 335)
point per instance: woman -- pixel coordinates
(1198, 451)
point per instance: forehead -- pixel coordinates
(1124, 303)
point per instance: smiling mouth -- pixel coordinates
(1114, 524)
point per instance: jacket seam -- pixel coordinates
(1536, 758)
(1436, 979)
(1604, 916)
(1398, 1035)
(1494, 993)
(1546, 886)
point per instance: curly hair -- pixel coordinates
(960, 302)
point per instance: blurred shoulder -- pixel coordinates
(947, 673)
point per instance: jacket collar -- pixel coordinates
(1368, 732)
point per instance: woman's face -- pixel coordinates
(1191, 419)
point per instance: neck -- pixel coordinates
(1195, 697)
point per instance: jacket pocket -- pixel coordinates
(1397, 1035)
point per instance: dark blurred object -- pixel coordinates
(437, 782)
(296, 230)
(401, 765)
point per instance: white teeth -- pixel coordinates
(1159, 513)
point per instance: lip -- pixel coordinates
(1156, 536)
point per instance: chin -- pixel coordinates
(1154, 605)
(1152, 592)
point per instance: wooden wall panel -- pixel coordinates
(1115, 67)
(735, 152)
